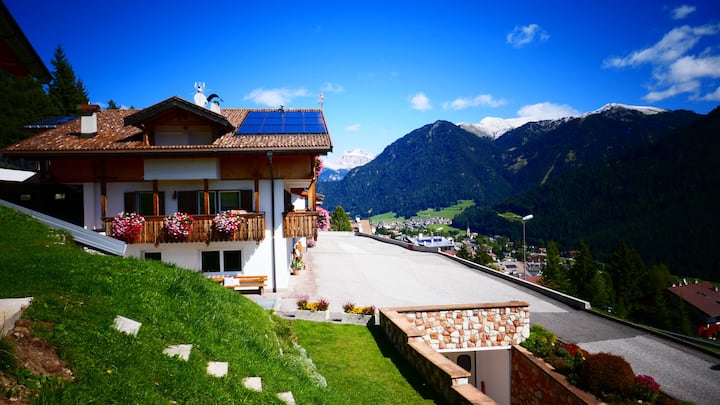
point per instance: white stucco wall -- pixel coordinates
(256, 257)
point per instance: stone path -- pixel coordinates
(214, 368)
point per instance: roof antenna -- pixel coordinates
(321, 101)
(199, 96)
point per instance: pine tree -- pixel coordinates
(66, 92)
(628, 272)
(555, 274)
(340, 220)
(22, 101)
(582, 273)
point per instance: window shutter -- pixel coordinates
(129, 204)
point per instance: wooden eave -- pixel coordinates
(173, 106)
(18, 55)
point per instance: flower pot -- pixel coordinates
(358, 319)
(306, 315)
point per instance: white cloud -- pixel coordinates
(547, 111)
(352, 128)
(420, 102)
(673, 90)
(714, 96)
(691, 68)
(521, 36)
(675, 69)
(673, 45)
(683, 11)
(275, 97)
(332, 88)
(465, 102)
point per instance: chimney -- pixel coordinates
(88, 120)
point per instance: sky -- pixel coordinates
(385, 68)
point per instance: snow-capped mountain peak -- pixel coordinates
(350, 159)
(648, 110)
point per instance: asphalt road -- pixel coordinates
(344, 267)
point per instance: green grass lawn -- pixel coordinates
(77, 295)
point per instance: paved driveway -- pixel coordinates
(344, 267)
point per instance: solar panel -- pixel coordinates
(282, 122)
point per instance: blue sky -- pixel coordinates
(386, 68)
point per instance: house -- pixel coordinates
(178, 156)
(704, 299)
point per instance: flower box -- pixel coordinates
(358, 319)
(178, 226)
(307, 315)
(126, 226)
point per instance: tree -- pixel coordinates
(22, 101)
(627, 271)
(65, 90)
(582, 273)
(555, 274)
(112, 105)
(340, 220)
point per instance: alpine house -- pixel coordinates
(226, 191)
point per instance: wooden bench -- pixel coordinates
(243, 282)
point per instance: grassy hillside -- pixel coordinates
(77, 296)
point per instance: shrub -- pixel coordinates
(541, 341)
(646, 388)
(607, 376)
(302, 302)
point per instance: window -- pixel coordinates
(142, 202)
(152, 256)
(192, 201)
(220, 262)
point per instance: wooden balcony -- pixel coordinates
(252, 228)
(299, 224)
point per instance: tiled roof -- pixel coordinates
(703, 295)
(113, 136)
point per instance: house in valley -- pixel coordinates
(258, 166)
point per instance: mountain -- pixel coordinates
(538, 151)
(336, 170)
(433, 166)
(659, 197)
(494, 127)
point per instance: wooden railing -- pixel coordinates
(251, 228)
(298, 224)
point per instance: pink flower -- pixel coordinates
(127, 226)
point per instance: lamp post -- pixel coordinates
(524, 220)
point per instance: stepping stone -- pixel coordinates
(217, 368)
(253, 383)
(287, 397)
(182, 351)
(127, 325)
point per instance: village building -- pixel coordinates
(256, 168)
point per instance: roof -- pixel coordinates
(17, 55)
(703, 295)
(117, 134)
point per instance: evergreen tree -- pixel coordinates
(340, 220)
(583, 273)
(65, 90)
(628, 272)
(463, 253)
(555, 275)
(22, 101)
(112, 105)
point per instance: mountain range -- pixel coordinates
(597, 177)
(336, 170)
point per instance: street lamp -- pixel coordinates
(525, 219)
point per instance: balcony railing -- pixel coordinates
(299, 224)
(251, 228)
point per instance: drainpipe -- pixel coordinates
(272, 215)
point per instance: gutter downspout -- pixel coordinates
(272, 214)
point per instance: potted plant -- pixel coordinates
(178, 226)
(312, 310)
(358, 315)
(226, 223)
(127, 226)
